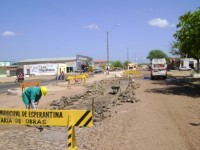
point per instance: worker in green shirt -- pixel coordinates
(32, 95)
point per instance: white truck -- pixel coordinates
(158, 68)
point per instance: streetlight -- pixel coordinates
(107, 33)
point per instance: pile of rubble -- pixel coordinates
(102, 95)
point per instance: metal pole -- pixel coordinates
(57, 73)
(107, 50)
(107, 33)
(127, 56)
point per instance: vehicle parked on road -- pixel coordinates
(97, 70)
(159, 68)
(184, 68)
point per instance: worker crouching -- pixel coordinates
(32, 95)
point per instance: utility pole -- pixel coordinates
(107, 50)
(107, 34)
(127, 56)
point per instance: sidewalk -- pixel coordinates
(47, 77)
(12, 79)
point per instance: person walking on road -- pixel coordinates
(32, 95)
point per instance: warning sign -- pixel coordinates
(70, 118)
(81, 118)
(34, 117)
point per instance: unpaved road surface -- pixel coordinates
(165, 118)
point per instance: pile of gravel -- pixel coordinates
(102, 95)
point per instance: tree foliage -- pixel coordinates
(125, 64)
(156, 54)
(188, 36)
(115, 64)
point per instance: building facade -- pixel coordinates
(53, 66)
(188, 62)
(99, 63)
(3, 68)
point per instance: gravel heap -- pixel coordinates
(103, 96)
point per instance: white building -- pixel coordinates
(188, 62)
(53, 66)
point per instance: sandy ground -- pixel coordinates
(166, 118)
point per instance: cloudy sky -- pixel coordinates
(64, 28)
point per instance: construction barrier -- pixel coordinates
(77, 78)
(69, 118)
(136, 73)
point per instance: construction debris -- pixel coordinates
(103, 97)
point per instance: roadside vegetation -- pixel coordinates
(156, 54)
(187, 36)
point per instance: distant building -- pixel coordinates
(53, 66)
(188, 62)
(5, 63)
(132, 66)
(3, 68)
(99, 63)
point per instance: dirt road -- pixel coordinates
(165, 118)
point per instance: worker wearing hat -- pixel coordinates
(32, 95)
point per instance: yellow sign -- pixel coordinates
(46, 117)
(131, 72)
(34, 117)
(81, 118)
(84, 76)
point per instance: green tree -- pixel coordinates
(125, 64)
(103, 66)
(188, 36)
(115, 64)
(156, 54)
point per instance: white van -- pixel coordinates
(159, 68)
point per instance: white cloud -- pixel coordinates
(162, 23)
(92, 27)
(8, 33)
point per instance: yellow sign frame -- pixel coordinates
(80, 118)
